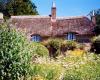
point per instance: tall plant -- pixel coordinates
(15, 54)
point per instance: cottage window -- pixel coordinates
(71, 36)
(36, 38)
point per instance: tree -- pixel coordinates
(97, 30)
(97, 15)
(96, 42)
(18, 7)
(3, 8)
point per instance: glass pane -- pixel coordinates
(36, 38)
(74, 37)
(71, 36)
(68, 36)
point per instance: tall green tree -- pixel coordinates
(97, 28)
(18, 7)
(3, 8)
(97, 15)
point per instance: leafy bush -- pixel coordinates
(55, 42)
(54, 46)
(15, 54)
(71, 45)
(57, 46)
(40, 50)
(68, 45)
(96, 45)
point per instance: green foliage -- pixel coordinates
(97, 27)
(70, 45)
(72, 75)
(40, 50)
(97, 13)
(96, 38)
(54, 46)
(85, 67)
(88, 71)
(57, 46)
(56, 43)
(96, 45)
(15, 54)
(18, 7)
(82, 68)
(46, 71)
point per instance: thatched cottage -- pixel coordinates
(38, 28)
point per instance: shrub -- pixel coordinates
(70, 45)
(15, 54)
(54, 46)
(40, 50)
(57, 46)
(96, 45)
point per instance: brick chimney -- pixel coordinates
(53, 19)
(93, 18)
(53, 12)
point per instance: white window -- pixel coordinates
(36, 38)
(71, 36)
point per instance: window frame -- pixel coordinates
(36, 38)
(71, 36)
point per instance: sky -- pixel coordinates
(67, 7)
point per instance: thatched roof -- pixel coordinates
(42, 25)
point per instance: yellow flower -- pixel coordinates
(77, 52)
